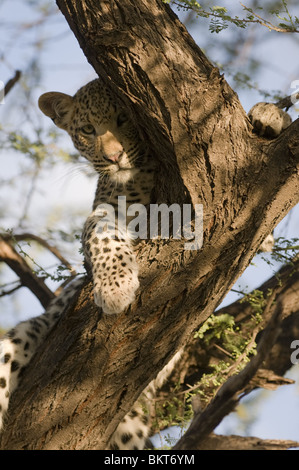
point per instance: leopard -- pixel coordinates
(106, 137)
(104, 133)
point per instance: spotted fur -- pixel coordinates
(21, 343)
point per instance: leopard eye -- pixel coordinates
(121, 119)
(88, 129)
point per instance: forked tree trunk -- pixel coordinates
(93, 367)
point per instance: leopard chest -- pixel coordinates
(136, 191)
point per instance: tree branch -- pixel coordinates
(11, 83)
(278, 360)
(229, 394)
(45, 244)
(218, 442)
(288, 101)
(199, 357)
(28, 279)
(3, 293)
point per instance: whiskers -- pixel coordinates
(103, 175)
(141, 157)
(69, 172)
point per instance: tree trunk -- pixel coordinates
(92, 367)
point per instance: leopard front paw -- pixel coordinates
(115, 296)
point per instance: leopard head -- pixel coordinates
(101, 131)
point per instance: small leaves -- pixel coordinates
(35, 149)
(39, 148)
(233, 349)
(215, 327)
(220, 17)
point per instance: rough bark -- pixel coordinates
(217, 442)
(91, 368)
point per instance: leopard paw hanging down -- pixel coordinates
(268, 120)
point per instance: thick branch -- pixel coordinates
(288, 101)
(28, 279)
(11, 83)
(217, 442)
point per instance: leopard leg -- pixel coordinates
(113, 264)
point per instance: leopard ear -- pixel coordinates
(57, 106)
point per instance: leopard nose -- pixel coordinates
(113, 157)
